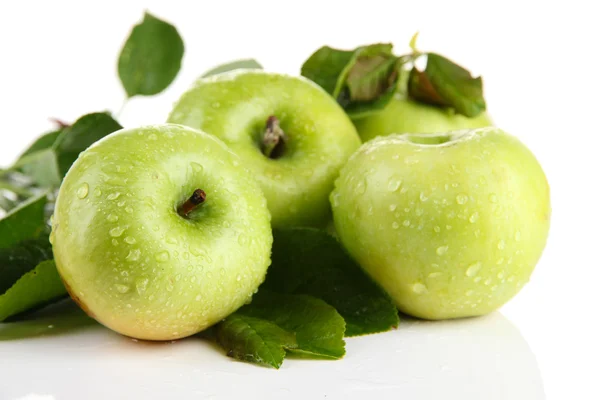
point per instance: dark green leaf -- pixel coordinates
(319, 329)
(447, 84)
(39, 286)
(309, 261)
(83, 133)
(239, 64)
(45, 141)
(47, 167)
(373, 73)
(24, 222)
(363, 80)
(151, 57)
(326, 67)
(41, 167)
(255, 340)
(21, 258)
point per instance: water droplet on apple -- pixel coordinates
(487, 281)
(361, 187)
(511, 278)
(178, 277)
(128, 209)
(419, 288)
(392, 207)
(141, 284)
(116, 231)
(242, 240)
(395, 225)
(493, 198)
(501, 245)
(469, 292)
(500, 275)
(477, 279)
(500, 261)
(474, 217)
(115, 242)
(162, 256)
(198, 297)
(121, 288)
(121, 203)
(130, 240)
(394, 184)
(436, 229)
(448, 227)
(473, 269)
(83, 190)
(152, 136)
(423, 197)
(434, 274)
(441, 250)
(171, 239)
(193, 279)
(133, 255)
(518, 236)
(406, 222)
(113, 196)
(462, 198)
(97, 192)
(494, 288)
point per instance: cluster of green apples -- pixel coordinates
(162, 231)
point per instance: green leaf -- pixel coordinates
(248, 63)
(24, 222)
(47, 166)
(326, 67)
(41, 167)
(45, 141)
(37, 287)
(86, 131)
(318, 327)
(309, 261)
(447, 84)
(362, 80)
(151, 57)
(21, 258)
(254, 340)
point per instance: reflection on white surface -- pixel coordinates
(483, 358)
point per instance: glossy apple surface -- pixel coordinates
(451, 225)
(235, 106)
(408, 116)
(131, 260)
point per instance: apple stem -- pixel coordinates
(273, 139)
(60, 123)
(197, 198)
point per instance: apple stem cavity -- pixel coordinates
(197, 198)
(274, 138)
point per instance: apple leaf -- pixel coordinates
(362, 80)
(318, 327)
(309, 261)
(25, 222)
(447, 84)
(82, 134)
(254, 340)
(43, 142)
(151, 57)
(260, 331)
(48, 165)
(248, 63)
(21, 258)
(37, 287)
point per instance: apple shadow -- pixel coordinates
(59, 318)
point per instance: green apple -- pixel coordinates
(450, 225)
(159, 232)
(287, 130)
(403, 115)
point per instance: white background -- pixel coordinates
(541, 72)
